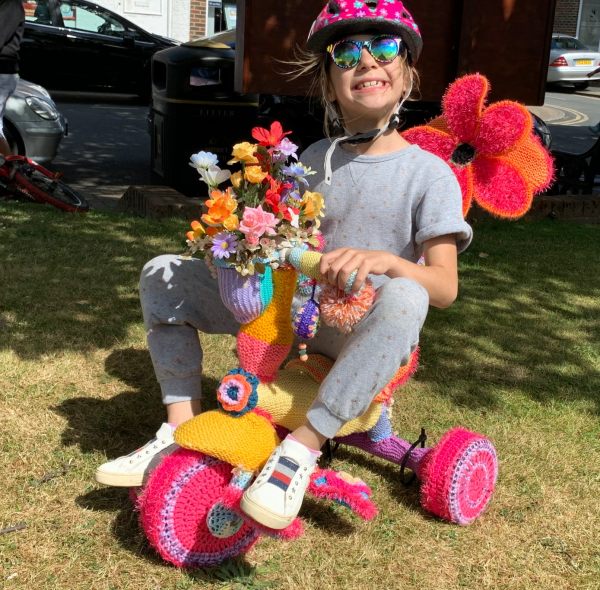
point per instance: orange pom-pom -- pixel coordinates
(342, 311)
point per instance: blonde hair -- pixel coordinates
(314, 67)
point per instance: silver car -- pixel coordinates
(32, 124)
(571, 62)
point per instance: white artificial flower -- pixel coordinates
(214, 176)
(203, 160)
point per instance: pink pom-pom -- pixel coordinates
(342, 311)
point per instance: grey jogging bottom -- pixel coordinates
(179, 299)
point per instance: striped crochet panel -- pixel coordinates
(264, 343)
(246, 297)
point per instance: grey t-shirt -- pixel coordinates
(393, 202)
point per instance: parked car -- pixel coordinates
(32, 124)
(571, 61)
(78, 45)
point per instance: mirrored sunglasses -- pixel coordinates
(384, 49)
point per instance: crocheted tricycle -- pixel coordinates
(190, 506)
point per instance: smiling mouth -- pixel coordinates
(370, 84)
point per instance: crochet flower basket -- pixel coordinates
(498, 161)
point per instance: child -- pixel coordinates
(387, 203)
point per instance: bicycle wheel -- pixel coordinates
(41, 185)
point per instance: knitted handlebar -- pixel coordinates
(307, 262)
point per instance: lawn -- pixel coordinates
(517, 357)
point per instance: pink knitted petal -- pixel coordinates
(462, 106)
(503, 125)
(432, 140)
(500, 189)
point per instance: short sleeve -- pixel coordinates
(440, 213)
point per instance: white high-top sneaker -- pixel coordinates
(131, 470)
(275, 497)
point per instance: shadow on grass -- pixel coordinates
(71, 280)
(127, 420)
(526, 318)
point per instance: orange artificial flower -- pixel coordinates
(197, 231)
(221, 207)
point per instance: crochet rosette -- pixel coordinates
(459, 476)
(180, 501)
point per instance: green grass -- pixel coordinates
(517, 357)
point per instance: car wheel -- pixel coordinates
(581, 85)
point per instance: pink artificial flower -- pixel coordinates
(257, 222)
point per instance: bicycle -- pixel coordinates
(21, 177)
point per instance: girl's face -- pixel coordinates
(369, 93)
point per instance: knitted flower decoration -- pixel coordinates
(498, 161)
(238, 392)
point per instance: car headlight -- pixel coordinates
(42, 108)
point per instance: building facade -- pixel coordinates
(178, 19)
(580, 18)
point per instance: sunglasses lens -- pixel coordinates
(346, 54)
(384, 49)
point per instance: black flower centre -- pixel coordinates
(463, 154)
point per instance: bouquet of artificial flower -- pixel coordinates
(267, 207)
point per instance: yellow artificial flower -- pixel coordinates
(244, 152)
(236, 179)
(312, 205)
(221, 207)
(254, 174)
(197, 231)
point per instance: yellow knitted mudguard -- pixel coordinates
(245, 441)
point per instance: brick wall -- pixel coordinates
(197, 18)
(565, 17)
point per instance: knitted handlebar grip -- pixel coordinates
(306, 261)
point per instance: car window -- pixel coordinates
(568, 43)
(90, 19)
(37, 11)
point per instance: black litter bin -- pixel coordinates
(194, 107)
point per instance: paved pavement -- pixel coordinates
(566, 136)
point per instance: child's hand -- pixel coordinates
(337, 266)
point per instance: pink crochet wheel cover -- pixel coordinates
(174, 506)
(459, 476)
(352, 17)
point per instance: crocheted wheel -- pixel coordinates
(174, 506)
(459, 476)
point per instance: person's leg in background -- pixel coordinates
(8, 84)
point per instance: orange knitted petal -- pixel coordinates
(533, 162)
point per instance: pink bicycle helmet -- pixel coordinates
(351, 17)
